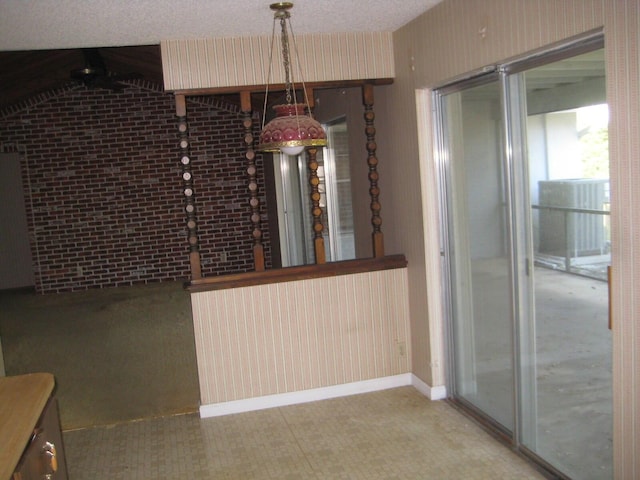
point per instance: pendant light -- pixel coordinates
(293, 128)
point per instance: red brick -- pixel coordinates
(103, 187)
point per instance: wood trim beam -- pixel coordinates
(198, 92)
(303, 272)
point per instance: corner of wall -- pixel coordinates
(437, 392)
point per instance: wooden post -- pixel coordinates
(254, 201)
(314, 181)
(316, 210)
(187, 189)
(372, 161)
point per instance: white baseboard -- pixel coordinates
(433, 393)
(303, 396)
(324, 393)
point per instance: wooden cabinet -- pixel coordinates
(30, 429)
(44, 457)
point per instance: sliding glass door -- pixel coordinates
(568, 201)
(479, 227)
(525, 209)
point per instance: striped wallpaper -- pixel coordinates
(287, 337)
(461, 36)
(452, 39)
(244, 61)
(622, 40)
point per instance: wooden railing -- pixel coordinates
(300, 272)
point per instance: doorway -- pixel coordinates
(525, 204)
(16, 267)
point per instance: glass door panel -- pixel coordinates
(479, 251)
(566, 125)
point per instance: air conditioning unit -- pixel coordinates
(581, 234)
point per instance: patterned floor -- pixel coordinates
(392, 434)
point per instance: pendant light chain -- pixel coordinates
(286, 61)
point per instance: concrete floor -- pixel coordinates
(574, 374)
(569, 394)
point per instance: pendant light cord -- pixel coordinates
(304, 87)
(266, 93)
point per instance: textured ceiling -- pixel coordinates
(57, 24)
(41, 41)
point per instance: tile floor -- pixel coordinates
(391, 434)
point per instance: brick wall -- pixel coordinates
(103, 187)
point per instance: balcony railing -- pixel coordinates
(573, 239)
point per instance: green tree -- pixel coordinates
(594, 146)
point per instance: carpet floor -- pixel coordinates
(118, 354)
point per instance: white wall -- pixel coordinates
(562, 146)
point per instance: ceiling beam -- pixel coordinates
(199, 92)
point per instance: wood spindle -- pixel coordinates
(372, 161)
(254, 200)
(316, 209)
(314, 181)
(187, 189)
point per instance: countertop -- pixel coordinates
(22, 399)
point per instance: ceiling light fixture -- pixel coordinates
(294, 128)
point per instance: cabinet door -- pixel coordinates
(44, 457)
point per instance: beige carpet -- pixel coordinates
(118, 354)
